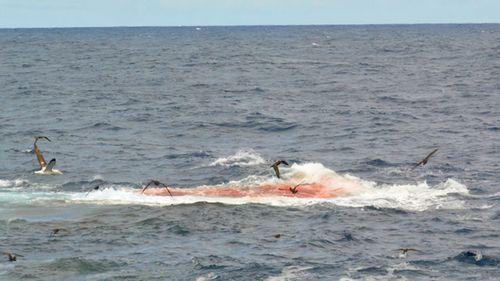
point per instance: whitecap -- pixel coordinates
(241, 158)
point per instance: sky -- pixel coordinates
(94, 13)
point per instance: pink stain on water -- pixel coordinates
(328, 188)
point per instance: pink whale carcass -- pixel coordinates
(321, 189)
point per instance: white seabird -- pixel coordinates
(45, 169)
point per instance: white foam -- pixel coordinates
(359, 193)
(290, 273)
(12, 183)
(412, 197)
(207, 277)
(33, 197)
(241, 158)
(309, 172)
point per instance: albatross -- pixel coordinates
(424, 161)
(275, 167)
(157, 183)
(45, 169)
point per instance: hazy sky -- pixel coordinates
(72, 13)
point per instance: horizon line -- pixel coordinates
(254, 25)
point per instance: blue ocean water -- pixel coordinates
(212, 106)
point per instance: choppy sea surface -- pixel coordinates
(215, 106)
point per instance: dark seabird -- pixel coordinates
(45, 169)
(294, 189)
(275, 167)
(56, 231)
(157, 183)
(404, 251)
(277, 235)
(12, 256)
(94, 188)
(424, 161)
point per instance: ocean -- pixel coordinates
(214, 107)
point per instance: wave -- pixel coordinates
(355, 192)
(241, 158)
(476, 258)
(12, 183)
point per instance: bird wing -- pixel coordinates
(418, 164)
(284, 162)
(299, 184)
(95, 188)
(40, 158)
(430, 154)
(147, 185)
(51, 164)
(41, 137)
(423, 161)
(407, 250)
(164, 185)
(276, 170)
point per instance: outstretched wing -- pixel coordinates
(276, 170)
(147, 185)
(418, 164)
(51, 165)
(430, 154)
(40, 158)
(424, 161)
(164, 185)
(41, 137)
(284, 162)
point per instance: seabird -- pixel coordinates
(45, 169)
(95, 188)
(424, 161)
(55, 231)
(404, 251)
(294, 189)
(277, 235)
(157, 183)
(275, 167)
(12, 256)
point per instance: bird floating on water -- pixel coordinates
(94, 188)
(275, 167)
(56, 231)
(157, 183)
(12, 256)
(294, 189)
(45, 169)
(426, 159)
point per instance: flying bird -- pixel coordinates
(157, 183)
(275, 167)
(45, 169)
(405, 251)
(12, 256)
(426, 159)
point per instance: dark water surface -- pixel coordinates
(215, 106)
